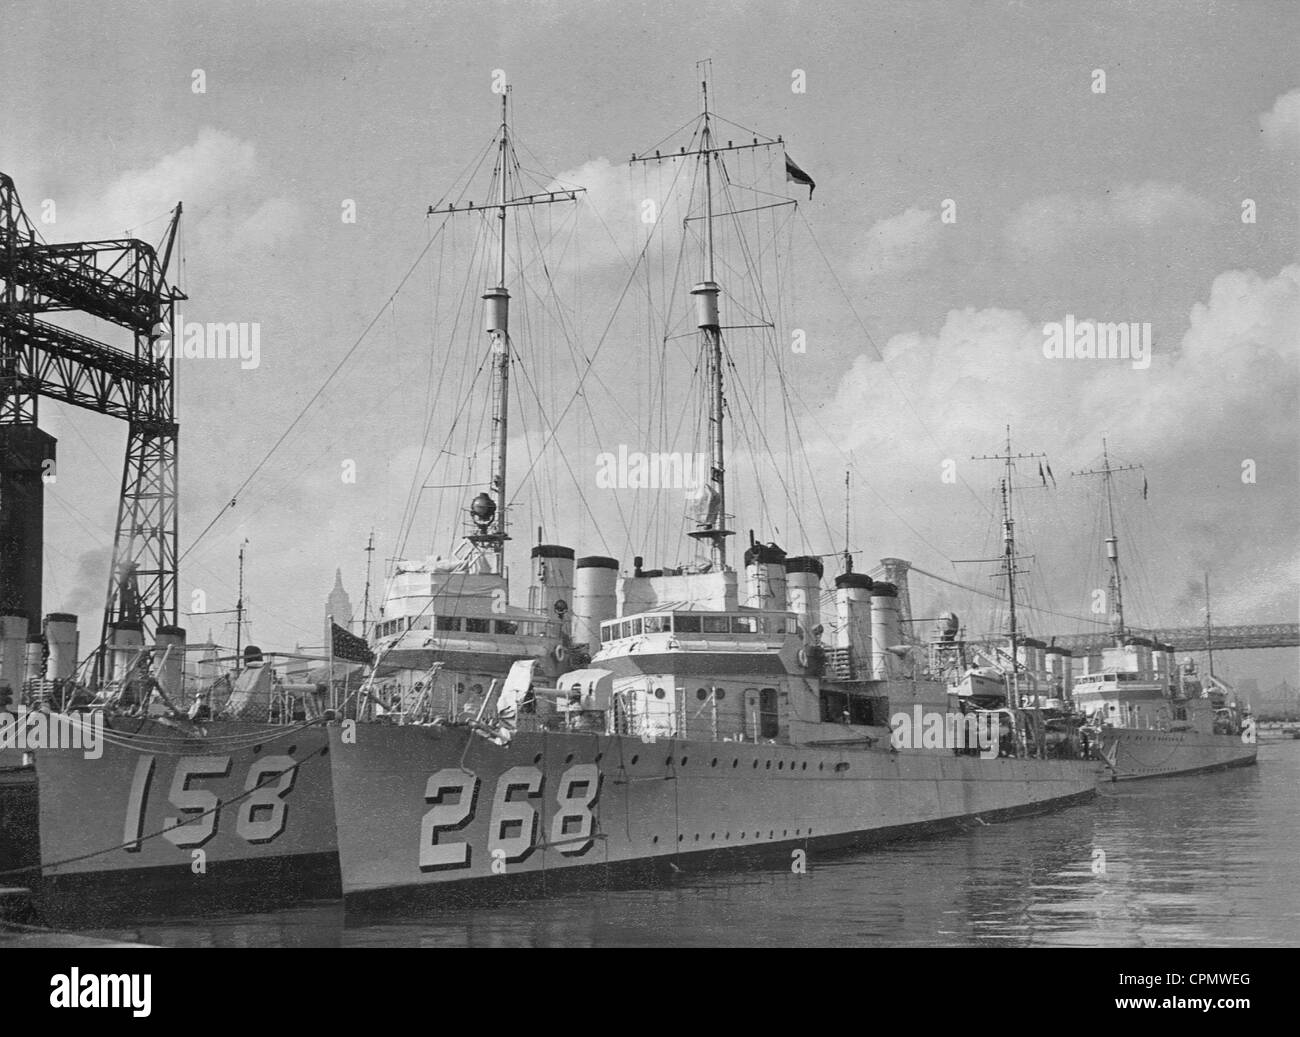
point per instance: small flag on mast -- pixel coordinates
(1144, 487)
(1040, 473)
(794, 173)
(1051, 476)
(348, 646)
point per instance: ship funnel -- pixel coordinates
(765, 579)
(61, 636)
(595, 598)
(13, 651)
(126, 648)
(169, 660)
(853, 612)
(1170, 667)
(552, 592)
(1060, 671)
(34, 674)
(885, 631)
(803, 588)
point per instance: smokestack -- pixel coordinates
(1060, 671)
(595, 598)
(169, 661)
(126, 643)
(34, 670)
(885, 630)
(1171, 667)
(61, 636)
(853, 610)
(894, 571)
(13, 651)
(765, 581)
(803, 583)
(553, 569)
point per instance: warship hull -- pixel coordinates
(241, 815)
(1134, 754)
(440, 812)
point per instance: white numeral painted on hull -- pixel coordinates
(263, 812)
(447, 817)
(515, 820)
(252, 824)
(513, 830)
(200, 804)
(574, 823)
(137, 802)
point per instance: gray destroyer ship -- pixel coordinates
(712, 719)
(1151, 717)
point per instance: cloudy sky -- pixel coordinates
(974, 182)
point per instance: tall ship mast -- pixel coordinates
(711, 719)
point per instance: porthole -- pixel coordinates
(599, 757)
(701, 693)
(771, 834)
(767, 766)
(668, 762)
(659, 693)
(803, 768)
(568, 759)
(655, 839)
(538, 758)
(697, 837)
(713, 762)
(735, 764)
(780, 765)
(755, 765)
(821, 766)
(720, 694)
(681, 838)
(634, 759)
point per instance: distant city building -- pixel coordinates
(338, 605)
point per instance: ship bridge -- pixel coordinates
(740, 627)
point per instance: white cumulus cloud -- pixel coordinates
(1052, 223)
(902, 243)
(1281, 125)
